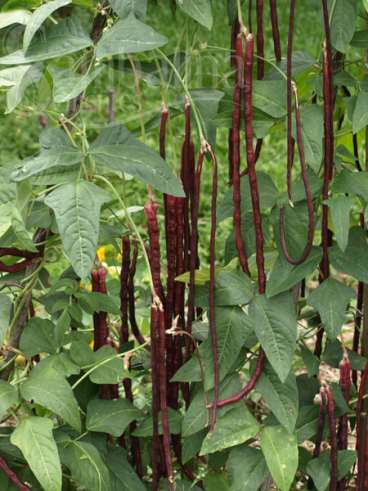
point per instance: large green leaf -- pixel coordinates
(340, 208)
(50, 389)
(145, 427)
(343, 21)
(38, 18)
(124, 7)
(68, 84)
(312, 131)
(331, 299)
(33, 436)
(38, 337)
(111, 417)
(65, 38)
(281, 398)
(270, 97)
(360, 116)
(124, 477)
(268, 196)
(5, 309)
(231, 288)
(355, 183)
(234, 328)
(280, 449)
(129, 35)
(8, 397)
(17, 79)
(247, 468)
(77, 210)
(275, 325)
(354, 261)
(128, 155)
(14, 17)
(199, 10)
(197, 416)
(233, 428)
(54, 159)
(320, 468)
(110, 370)
(86, 465)
(284, 275)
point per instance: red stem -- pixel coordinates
(275, 30)
(12, 476)
(289, 69)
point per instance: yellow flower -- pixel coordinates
(101, 254)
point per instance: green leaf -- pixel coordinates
(47, 387)
(145, 427)
(77, 210)
(331, 300)
(68, 84)
(64, 38)
(233, 428)
(197, 416)
(110, 372)
(38, 337)
(312, 131)
(128, 155)
(199, 10)
(247, 468)
(275, 325)
(54, 159)
(268, 196)
(284, 275)
(5, 310)
(360, 39)
(129, 35)
(354, 261)
(342, 23)
(340, 208)
(231, 288)
(33, 436)
(320, 468)
(360, 114)
(269, 96)
(38, 18)
(124, 474)
(355, 183)
(281, 398)
(18, 79)
(124, 7)
(280, 450)
(98, 302)
(14, 17)
(234, 328)
(111, 417)
(8, 397)
(60, 363)
(86, 465)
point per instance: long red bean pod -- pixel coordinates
(361, 431)
(158, 344)
(257, 216)
(12, 476)
(309, 196)
(275, 30)
(124, 339)
(15, 268)
(342, 435)
(289, 70)
(235, 145)
(260, 39)
(194, 241)
(328, 157)
(101, 330)
(131, 298)
(333, 439)
(12, 251)
(357, 326)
